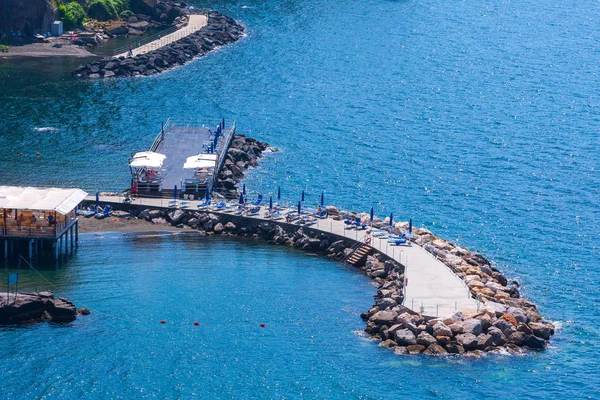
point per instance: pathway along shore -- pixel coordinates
(218, 30)
(442, 278)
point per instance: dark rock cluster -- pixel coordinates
(219, 31)
(243, 153)
(36, 307)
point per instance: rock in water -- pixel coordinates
(404, 337)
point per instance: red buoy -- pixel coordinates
(196, 323)
(162, 321)
(262, 325)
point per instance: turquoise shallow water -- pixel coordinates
(479, 121)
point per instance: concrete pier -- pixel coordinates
(195, 23)
(433, 289)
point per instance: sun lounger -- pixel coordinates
(254, 211)
(90, 213)
(258, 200)
(398, 242)
(204, 204)
(105, 213)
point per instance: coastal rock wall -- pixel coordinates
(220, 30)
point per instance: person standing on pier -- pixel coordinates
(130, 52)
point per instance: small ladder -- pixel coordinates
(358, 255)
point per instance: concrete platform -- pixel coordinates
(195, 23)
(433, 289)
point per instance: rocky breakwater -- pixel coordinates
(505, 323)
(220, 30)
(243, 153)
(37, 307)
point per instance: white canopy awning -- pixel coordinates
(30, 198)
(200, 161)
(148, 159)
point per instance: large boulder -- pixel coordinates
(455, 348)
(415, 349)
(472, 326)
(176, 217)
(404, 337)
(147, 7)
(435, 349)
(440, 329)
(519, 314)
(517, 338)
(384, 318)
(467, 340)
(219, 228)
(498, 338)
(542, 330)
(425, 339)
(535, 342)
(484, 341)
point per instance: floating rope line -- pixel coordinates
(36, 271)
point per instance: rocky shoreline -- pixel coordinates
(37, 307)
(506, 323)
(243, 153)
(220, 30)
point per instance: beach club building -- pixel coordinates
(38, 220)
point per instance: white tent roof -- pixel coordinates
(147, 159)
(29, 198)
(200, 161)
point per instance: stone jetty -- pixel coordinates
(219, 30)
(37, 307)
(505, 322)
(243, 153)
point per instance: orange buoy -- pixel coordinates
(162, 321)
(262, 325)
(196, 323)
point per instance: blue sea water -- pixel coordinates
(479, 121)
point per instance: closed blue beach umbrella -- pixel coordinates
(299, 207)
(97, 199)
(391, 220)
(410, 226)
(223, 123)
(241, 198)
(175, 193)
(244, 189)
(207, 194)
(322, 199)
(270, 202)
(372, 214)
(278, 193)
(303, 196)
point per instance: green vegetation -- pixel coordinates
(107, 9)
(126, 14)
(3, 48)
(72, 14)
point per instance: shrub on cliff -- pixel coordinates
(72, 14)
(107, 9)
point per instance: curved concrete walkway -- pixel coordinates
(433, 289)
(195, 23)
